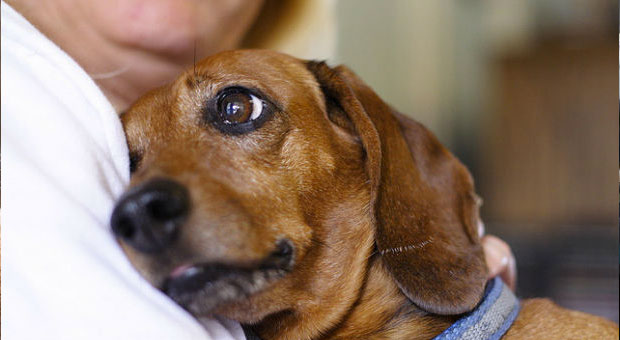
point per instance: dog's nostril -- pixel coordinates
(124, 228)
(165, 208)
(165, 201)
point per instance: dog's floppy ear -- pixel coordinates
(424, 202)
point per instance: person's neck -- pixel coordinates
(127, 82)
(123, 73)
(381, 311)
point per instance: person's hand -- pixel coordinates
(500, 260)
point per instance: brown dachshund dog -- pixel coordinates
(288, 196)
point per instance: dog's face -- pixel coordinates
(267, 179)
(262, 183)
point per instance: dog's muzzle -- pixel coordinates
(148, 218)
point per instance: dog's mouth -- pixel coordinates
(199, 288)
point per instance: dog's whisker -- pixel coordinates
(396, 250)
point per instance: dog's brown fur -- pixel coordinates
(383, 218)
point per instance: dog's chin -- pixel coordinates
(201, 288)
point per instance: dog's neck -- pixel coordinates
(380, 311)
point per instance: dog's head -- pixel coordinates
(262, 183)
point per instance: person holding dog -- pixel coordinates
(68, 69)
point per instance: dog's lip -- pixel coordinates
(201, 286)
(190, 278)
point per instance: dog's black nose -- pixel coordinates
(148, 216)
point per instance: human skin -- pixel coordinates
(500, 260)
(131, 46)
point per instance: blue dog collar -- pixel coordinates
(490, 319)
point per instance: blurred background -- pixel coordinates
(524, 92)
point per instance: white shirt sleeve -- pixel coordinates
(64, 162)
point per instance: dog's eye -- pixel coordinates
(238, 106)
(237, 110)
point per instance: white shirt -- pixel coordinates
(64, 163)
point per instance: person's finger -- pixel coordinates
(500, 260)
